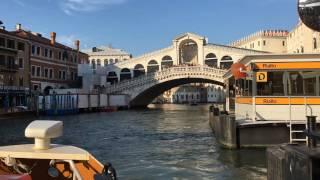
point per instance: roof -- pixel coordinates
(40, 39)
(278, 57)
(244, 49)
(107, 51)
(57, 152)
(189, 34)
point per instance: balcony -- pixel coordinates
(9, 67)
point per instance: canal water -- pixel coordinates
(162, 142)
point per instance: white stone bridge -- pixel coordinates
(143, 89)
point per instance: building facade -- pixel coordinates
(303, 40)
(14, 70)
(274, 41)
(104, 56)
(52, 65)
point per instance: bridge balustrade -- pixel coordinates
(167, 73)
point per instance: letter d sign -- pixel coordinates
(262, 77)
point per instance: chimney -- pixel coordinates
(53, 38)
(77, 45)
(18, 27)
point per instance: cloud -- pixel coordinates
(71, 6)
(67, 40)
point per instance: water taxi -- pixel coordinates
(43, 160)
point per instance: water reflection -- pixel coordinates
(163, 142)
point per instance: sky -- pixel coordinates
(141, 26)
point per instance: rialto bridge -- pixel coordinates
(190, 59)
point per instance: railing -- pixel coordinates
(212, 73)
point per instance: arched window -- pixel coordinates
(302, 49)
(315, 45)
(112, 77)
(111, 61)
(116, 61)
(211, 60)
(93, 63)
(226, 62)
(125, 74)
(166, 62)
(98, 62)
(153, 66)
(138, 70)
(106, 62)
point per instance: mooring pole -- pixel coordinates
(311, 123)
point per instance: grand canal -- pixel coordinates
(162, 142)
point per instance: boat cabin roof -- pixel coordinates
(275, 58)
(57, 152)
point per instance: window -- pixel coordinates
(38, 71)
(20, 46)
(63, 75)
(65, 56)
(302, 49)
(35, 87)
(72, 76)
(33, 49)
(98, 62)
(283, 43)
(105, 62)
(264, 42)
(60, 75)
(50, 73)
(2, 60)
(10, 62)
(20, 63)
(60, 55)
(38, 51)
(315, 43)
(46, 51)
(10, 44)
(2, 42)
(46, 72)
(274, 86)
(116, 60)
(50, 53)
(310, 83)
(21, 81)
(33, 70)
(258, 43)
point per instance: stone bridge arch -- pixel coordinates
(145, 97)
(143, 89)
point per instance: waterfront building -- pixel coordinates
(274, 41)
(303, 40)
(106, 55)
(14, 70)
(215, 93)
(52, 65)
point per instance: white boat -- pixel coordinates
(43, 160)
